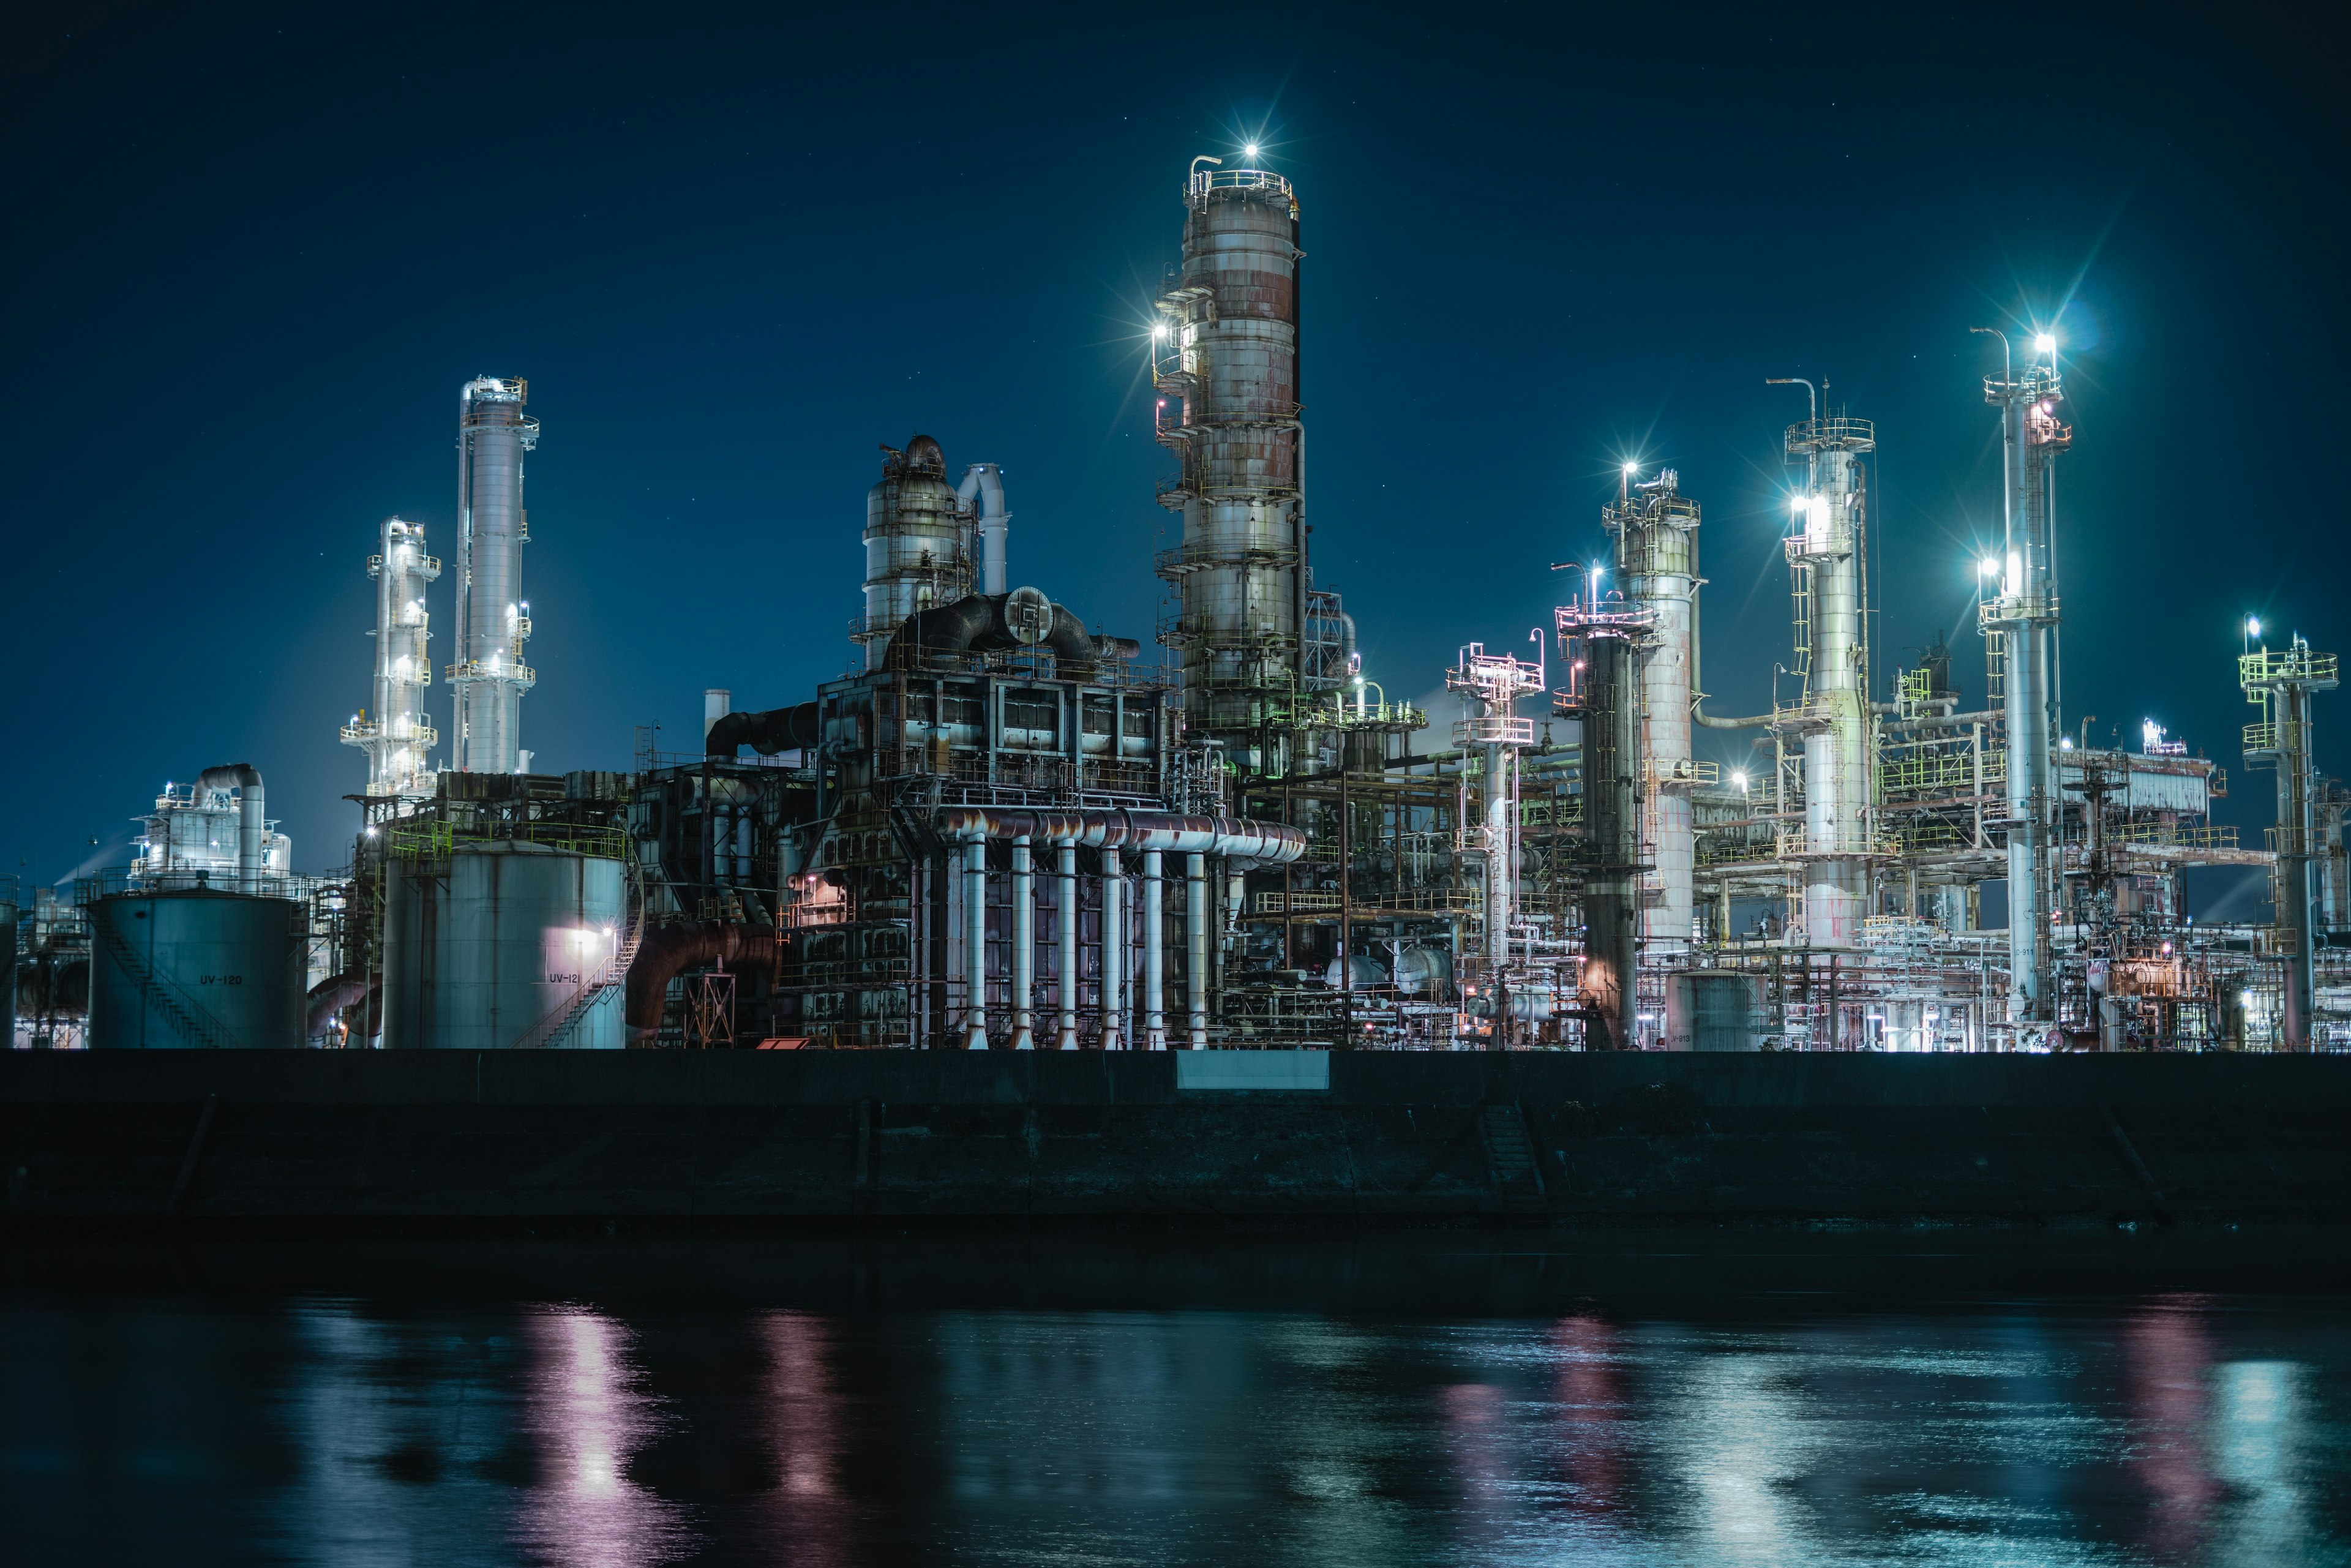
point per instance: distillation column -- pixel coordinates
(1829, 552)
(2026, 614)
(1657, 560)
(1604, 694)
(1225, 365)
(2281, 684)
(400, 738)
(493, 618)
(918, 544)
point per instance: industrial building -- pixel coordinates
(1011, 828)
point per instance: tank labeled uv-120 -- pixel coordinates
(502, 944)
(196, 968)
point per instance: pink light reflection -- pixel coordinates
(584, 1405)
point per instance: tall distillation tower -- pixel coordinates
(1827, 551)
(1602, 643)
(2024, 618)
(1226, 364)
(489, 677)
(1657, 560)
(2281, 683)
(918, 544)
(400, 738)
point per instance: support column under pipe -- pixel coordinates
(1024, 947)
(974, 944)
(1154, 954)
(1113, 950)
(1196, 950)
(1065, 870)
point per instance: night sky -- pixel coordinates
(252, 254)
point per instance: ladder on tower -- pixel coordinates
(194, 1021)
(1799, 593)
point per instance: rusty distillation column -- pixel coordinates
(1225, 360)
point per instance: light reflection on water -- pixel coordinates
(356, 1430)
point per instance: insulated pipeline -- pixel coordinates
(1236, 837)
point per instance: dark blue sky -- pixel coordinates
(252, 255)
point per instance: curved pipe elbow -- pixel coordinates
(664, 954)
(777, 729)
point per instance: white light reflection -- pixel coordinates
(2259, 1431)
(588, 1414)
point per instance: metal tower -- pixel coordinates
(398, 737)
(1602, 644)
(1827, 549)
(493, 618)
(2024, 616)
(918, 545)
(1657, 560)
(2281, 684)
(1495, 683)
(1225, 358)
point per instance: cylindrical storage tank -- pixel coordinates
(197, 970)
(1712, 1009)
(489, 948)
(1423, 969)
(1363, 973)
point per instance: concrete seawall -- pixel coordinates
(334, 1141)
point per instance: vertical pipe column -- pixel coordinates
(1154, 954)
(1113, 950)
(1065, 874)
(1497, 863)
(974, 944)
(1837, 755)
(2292, 706)
(1024, 947)
(1196, 950)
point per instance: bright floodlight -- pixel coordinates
(1249, 150)
(2046, 343)
(1632, 468)
(1159, 329)
(2253, 625)
(1740, 779)
(1988, 566)
(1796, 505)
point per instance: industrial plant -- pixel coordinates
(1011, 828)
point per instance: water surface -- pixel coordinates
(1135, 1402)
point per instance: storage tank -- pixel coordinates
(196, 968)
(500, 944)
(1712, 1009)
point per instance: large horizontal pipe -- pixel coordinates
(777, 729)
(1236, 837)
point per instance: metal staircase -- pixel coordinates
(194, 1020)
(1510, 1152)
(552, 1030)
